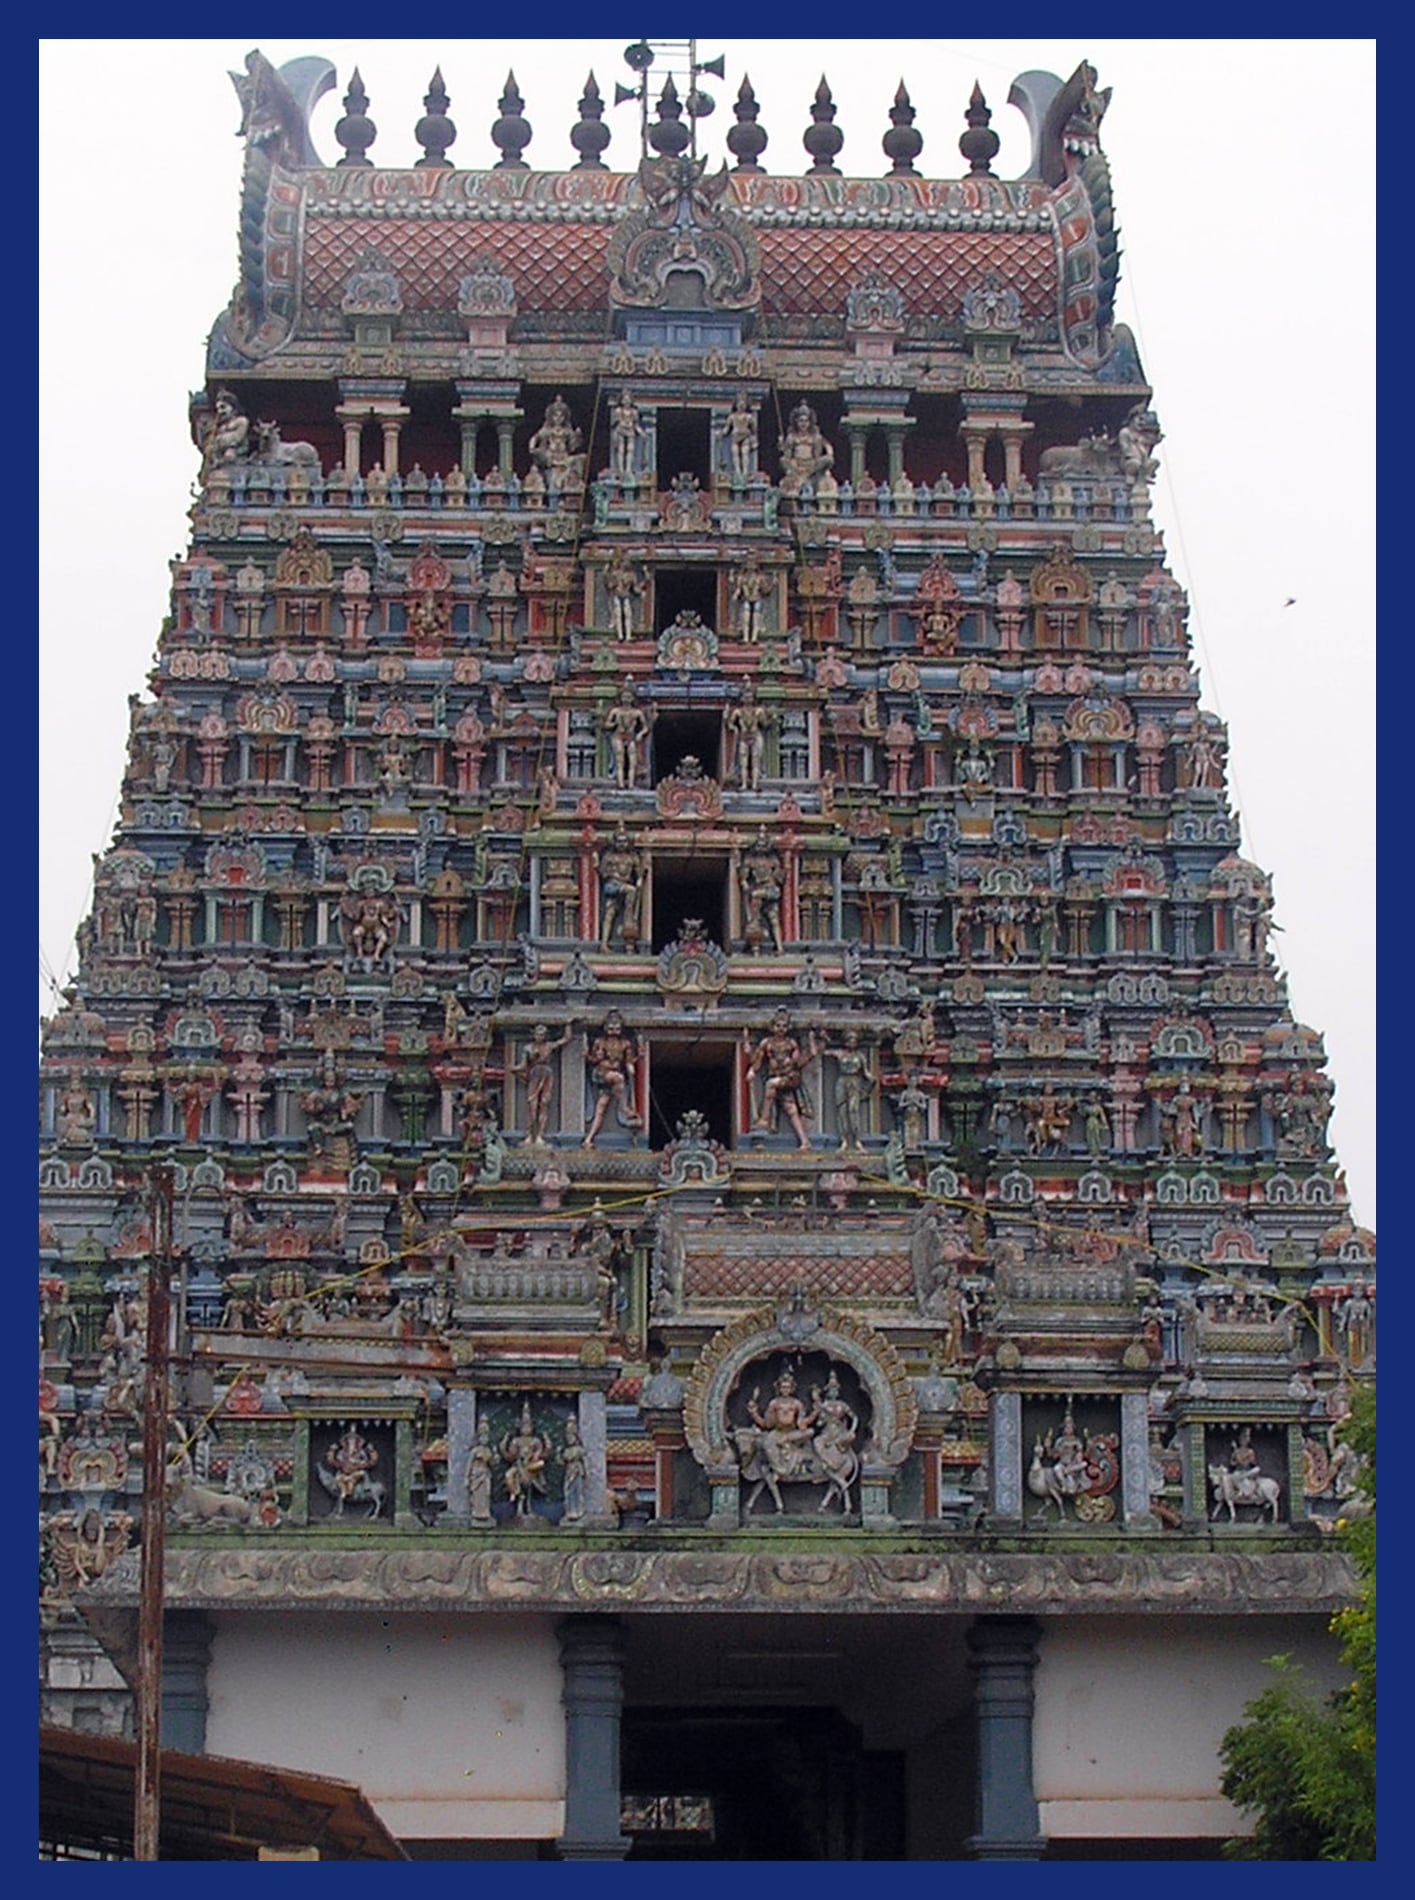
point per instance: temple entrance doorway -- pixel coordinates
(815, 1736)
(759, 1784)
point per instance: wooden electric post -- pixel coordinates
(154, 1520)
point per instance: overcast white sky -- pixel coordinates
(1243, 173)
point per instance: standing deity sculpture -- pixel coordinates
(751, 589)
(575, 1475)
(781, 1062)
(854, 1084)
(480, 1471)
(742, 441)
(625, 430)
(536, 1063)
(225, 437)
(624, 585)
(613, 1065)
(627, 726)
(761, 880)
(622, 871)
(750, 722)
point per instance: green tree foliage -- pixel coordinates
(1305, 1764)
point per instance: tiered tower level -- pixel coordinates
(678, 914)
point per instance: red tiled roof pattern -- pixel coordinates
(760, 1275)
(812, 271)
(562, 266)
(554, 267)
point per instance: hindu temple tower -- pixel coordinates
(753, 1227)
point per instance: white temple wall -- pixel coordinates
(451, 1725)
(1130, 1712)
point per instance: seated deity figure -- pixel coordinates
(805, 454)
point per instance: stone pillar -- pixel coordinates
(975, 440)
(1135, 1462)
(1002, 1654)
(505, 446)
(353, 438)
(857, 433)
(594, 1435)
(1013, 435)
(592, 1662)
(461, 1430)
(1005, 1457)
(392, 420)
(186, 1654)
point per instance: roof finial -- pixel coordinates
(511, 134)
(823, 138)
(669, 135)
(435, 131)
(746, 141)
(978, 144)
(356, 131)
(590, 136)
(901, 142)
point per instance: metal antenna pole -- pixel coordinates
(146, 1789)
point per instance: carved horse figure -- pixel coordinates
(1233, 1488)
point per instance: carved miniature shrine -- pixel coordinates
(676, 909)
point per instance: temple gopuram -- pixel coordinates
(677, 1007)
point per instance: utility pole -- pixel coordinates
(146, 1790)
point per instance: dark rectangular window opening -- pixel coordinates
(677, 588)
(684, 446)
(684, 1075)
(681, 735)
(689, 888)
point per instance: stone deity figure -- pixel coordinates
(624, 585)
(751, 589)
(805, 454)
(1355, 1321)
(479, 1474)
(912, 1107)
(627, 726)
(786, 1424)
(837, 1429)
(742, 441)
(624, 432)
(1097, 1128)
(575, 1470)
(761, 880)
(524, 1453)
(226, 437)
(555, 446)
(750, 721)
(621, 885)
(347, 1473)
(781, 1061)
(536, 1063)
(613, 1065)
(854, 1084)
(1182, 1130)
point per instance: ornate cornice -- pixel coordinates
(1095, 1583)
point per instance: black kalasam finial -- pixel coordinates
(435, 131)
(979, 145)
(356, 131)
(668, 134)
(902, 143)
(511, 133)
(823, 138)
(746, 141)
(591, 135)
